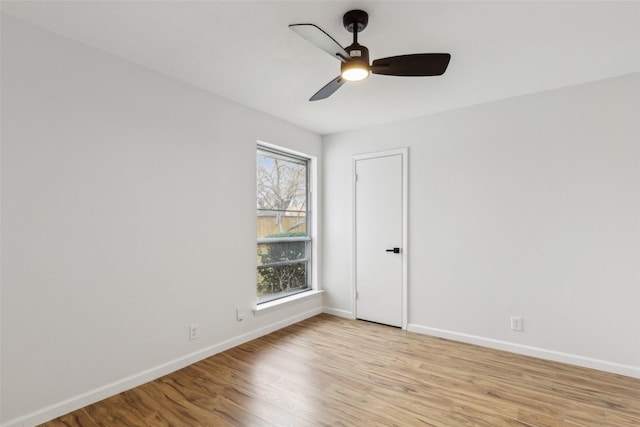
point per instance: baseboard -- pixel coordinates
(338, 312)
(541, 353)
(143, 377)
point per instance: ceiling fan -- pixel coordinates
(355, 58)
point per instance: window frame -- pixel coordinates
(309, 238)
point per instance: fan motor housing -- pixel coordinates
(359, 59)
(358, 53)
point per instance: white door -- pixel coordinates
(379, 237)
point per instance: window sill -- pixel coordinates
(282, 302)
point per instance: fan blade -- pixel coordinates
(328, 89)
(316, 36)
(419, 64)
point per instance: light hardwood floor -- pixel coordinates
(332, 371)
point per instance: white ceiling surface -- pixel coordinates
(245, 52)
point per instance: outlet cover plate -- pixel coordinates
(516, 323)
(194, 331)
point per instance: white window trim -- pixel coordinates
(315, 249)
(274, 305)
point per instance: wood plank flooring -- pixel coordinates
(329, 371)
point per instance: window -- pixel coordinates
(284, 238)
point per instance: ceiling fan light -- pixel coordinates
(357, 66)
(353, 74)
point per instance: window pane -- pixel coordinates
(270, 253)
(281, 187)
(273, 223)
(282, 279)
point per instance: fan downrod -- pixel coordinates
(355, 20)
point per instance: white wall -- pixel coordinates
(528, 206)
(127, 214)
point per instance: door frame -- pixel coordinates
(404, 154)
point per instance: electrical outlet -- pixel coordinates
(516, 323)
(240, 313)
(194, 331)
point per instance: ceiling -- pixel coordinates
(244, 51)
